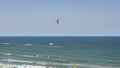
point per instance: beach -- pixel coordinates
(37, 66)
(21, 66)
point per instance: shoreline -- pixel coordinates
(5, 65)
(49, 65)
(22, 66)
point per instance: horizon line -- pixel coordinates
(62, 36)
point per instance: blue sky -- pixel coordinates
(77, 17)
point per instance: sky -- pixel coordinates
(77, 17)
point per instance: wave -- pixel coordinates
(114, 58)
(50, 62)
(57, 64)
(28, 44)
(5, 43)
(42, 56)
(26, 61)
(55, 46)
(6, 53)
(28, 56)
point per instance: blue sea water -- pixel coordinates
(85, 52)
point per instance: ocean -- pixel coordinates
(61, 51)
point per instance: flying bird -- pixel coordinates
(58, 21)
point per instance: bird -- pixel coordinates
(58, 20)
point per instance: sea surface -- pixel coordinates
(61, 51)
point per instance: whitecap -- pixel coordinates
(37, 55)
(5, 43)
(51, 44)
(54, 46)
(6, 53)
(28, 56)
(28, 44)
(63, 64)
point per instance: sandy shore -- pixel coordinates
(22, 66)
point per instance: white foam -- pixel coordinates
(93, 66)
(117, 58)
(5, 43)
(7, 53)
(25, 61)
(54, 46)
(37, 55)
(28, 44)
(22, 66)
(63, 64)
(28, 56)
(51, 44)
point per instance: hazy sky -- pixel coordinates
(78, 17)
